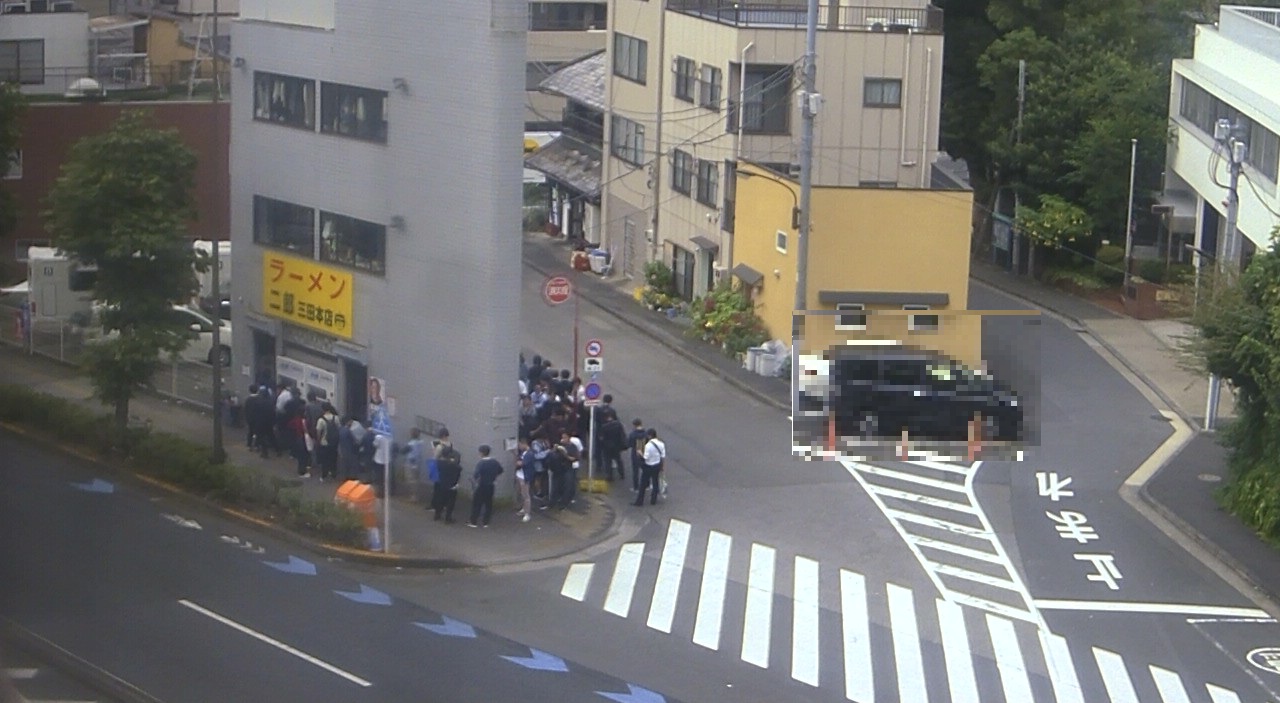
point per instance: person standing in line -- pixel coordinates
(557, 464)
(635, 442)
(573, 448)
(525, 462)
(249, 403)
(655, 453)
(444, 495)
(296, 431)
(611, 441)
(416, 464)
(327, 442)
(487, 471)
(381, 463)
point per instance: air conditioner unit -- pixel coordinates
(793, 170)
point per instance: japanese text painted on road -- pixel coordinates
(1074, 526)
(307, 293)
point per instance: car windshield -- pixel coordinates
(958, 374)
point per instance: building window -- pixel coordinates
(1203, 109)
(766, 100)
(685, 78)
(712, 84)
(708, 182)
(13, 169)
(681, 172)
(855, 321)
(22, 61)
(22, 248)
(780, 241)
(567, 16)
(682, 270)
(882, 92)
(358, 244)
(535, 72)
(353, 112)
(630, 58)
(728, 210)
(921, 323)
(284, 99)
(627, 140)
(284, 225)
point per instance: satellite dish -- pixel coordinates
(82, 88)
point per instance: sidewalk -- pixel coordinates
(416, 540)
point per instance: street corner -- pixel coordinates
(590, 518)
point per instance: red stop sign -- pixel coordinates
(557, 290)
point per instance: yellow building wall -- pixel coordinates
(170, 58)
(866, 240)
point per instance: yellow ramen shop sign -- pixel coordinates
(307, 293)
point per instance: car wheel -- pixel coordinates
(869, 425)
(221, 355)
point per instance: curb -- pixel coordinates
(665, 339)
(96, 678)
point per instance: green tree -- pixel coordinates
(12, 105)
(1055, 223)
(122, 203)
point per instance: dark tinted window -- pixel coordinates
(901, 372)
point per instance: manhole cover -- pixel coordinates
(1209, 478)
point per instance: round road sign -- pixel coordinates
(595, 348)
(592, 391)
(557, 290)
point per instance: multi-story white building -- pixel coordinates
(375, 207)
(44, 46)
(698, 85)
(1233, 74)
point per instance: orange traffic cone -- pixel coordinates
(975, 439)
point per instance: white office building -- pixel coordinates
(375, 207)
(1233, 74)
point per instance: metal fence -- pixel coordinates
(65, 341)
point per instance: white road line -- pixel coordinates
(977, 577)
(858, 680)
(1013, 670)
(913, 478)
(758, 618)
(991, 606)
(906, 645)
(940, 545)
(662, 609)
(576, 581)
(623, 583)
(804, 623)
(922, 499)
(1062, 672)
(1221, 695)
(955, 646)
(1169, 685)
(1172, 608)
(275, 643)
(1115, 677)
(715, 574)
(946, 525)
(20, 674)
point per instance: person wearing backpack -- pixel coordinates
(444, 495)
(327, 442)
(655, 454)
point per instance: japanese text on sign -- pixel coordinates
(307, 294)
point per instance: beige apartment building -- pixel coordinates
(695, 85)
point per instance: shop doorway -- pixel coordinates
(264, 358)
(355, 386)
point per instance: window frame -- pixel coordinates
(19, 73)
(775, 96)
(858, 310)
(874, 93)
(262, 201)
(684, 86)
(332, 93)
(631, 147)
(266, 113)
(682, 170)
(707, 170)
(377, 264)
(916, 324)
(710, 80)
(630, 58)
(780, 241)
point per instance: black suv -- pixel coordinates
(875, 392)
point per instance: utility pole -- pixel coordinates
(219, 452)
(1015, 243)
(1128, 215)
(809, 105)
(1224, 133)
(655, 246)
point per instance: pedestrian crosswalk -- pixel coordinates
(874, 642)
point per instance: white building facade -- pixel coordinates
(375, 208)
(1233, 74)
(44, 51)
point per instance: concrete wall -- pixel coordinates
(863, 239)
(440, 326)
(66, 46)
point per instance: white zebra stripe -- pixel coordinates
(955, 647)
(804, 622)
(623, 584)
(758, 617)
(859, 683)
(1115, 676)
(1013, 670)
(906, 645)
(576, 581)
(1169, 685)
(662, 609)
(1062, 672)
(715, 574)
(1221, 695)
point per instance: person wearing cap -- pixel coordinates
(487, 471)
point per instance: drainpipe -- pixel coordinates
(906, 90)
(742, 93)
(924, 118)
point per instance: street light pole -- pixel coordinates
(808, 110)
(1128, 215)
(219, 451)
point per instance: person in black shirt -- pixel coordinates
(635, 442)
(487, 471)
(612, 440)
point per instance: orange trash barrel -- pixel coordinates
(359, 497)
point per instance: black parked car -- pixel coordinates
(877, 391)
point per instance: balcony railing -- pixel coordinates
(783, 15)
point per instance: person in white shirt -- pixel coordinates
(655, 454)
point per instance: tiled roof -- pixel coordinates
(570, 161)
(581, 80)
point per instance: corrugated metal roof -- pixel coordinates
(570, 161)
(582, 80)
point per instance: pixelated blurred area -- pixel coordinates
(902, 384)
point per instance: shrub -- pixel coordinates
(1109, 264)
(659, 277)
(1078, 277)
(1153, 271)
(725, 317)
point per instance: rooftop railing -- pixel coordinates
(793, 15)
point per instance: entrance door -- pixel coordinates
(264, 358)
(682, 266)
(355, 383)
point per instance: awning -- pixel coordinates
(704, 243)
(569, 161)
(835, 297)
(747, 275)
